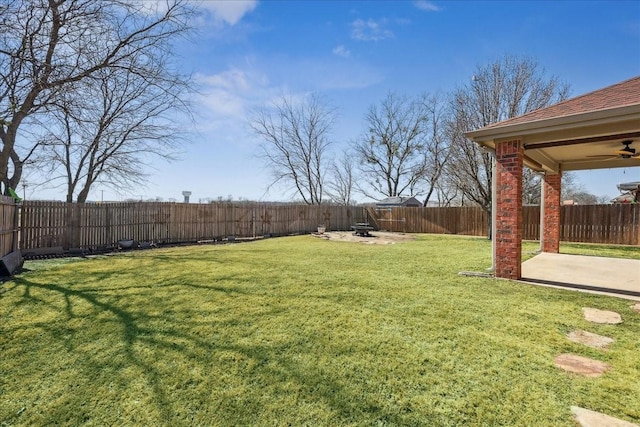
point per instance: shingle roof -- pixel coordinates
(398, 201)
(618, 95)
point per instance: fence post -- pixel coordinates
(75, 225)
(107, 224)
(21, 227)
(16, 226)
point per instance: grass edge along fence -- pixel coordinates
(92, 226)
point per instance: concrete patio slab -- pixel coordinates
(614, 276)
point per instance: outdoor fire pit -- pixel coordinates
(362, 229)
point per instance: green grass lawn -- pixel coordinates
(302, 331)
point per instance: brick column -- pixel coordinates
(509, 210)
(551, 222)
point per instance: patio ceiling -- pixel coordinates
(577, 134)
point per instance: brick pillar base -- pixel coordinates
(551, 221)
(509, 210)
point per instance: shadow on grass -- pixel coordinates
(131, 331)
(271, 361)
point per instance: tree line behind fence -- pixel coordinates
(93, 226)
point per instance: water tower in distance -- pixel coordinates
(186, 195)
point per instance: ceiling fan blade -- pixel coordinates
(627, 150)
(631, 152)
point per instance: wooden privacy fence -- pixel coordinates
(616, 224)
(454, 220)
(611, 224)
(72, 225)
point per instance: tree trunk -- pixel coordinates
(82, 196)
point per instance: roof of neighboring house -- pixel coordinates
(624, 198)
(399, 201)
(629, 186)
(617, 95)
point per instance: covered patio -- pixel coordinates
(620, 277)
(598, 130)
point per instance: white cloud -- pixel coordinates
(232, 79)
(229, 11)
(341, 51)
(228, 97)
(229, 94)
(370, 30)
(222, 11)
(426, 6)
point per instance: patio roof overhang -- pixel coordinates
(572, 142)
(580, 133)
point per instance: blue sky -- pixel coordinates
(249, 52)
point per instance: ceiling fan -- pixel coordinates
(627, 152)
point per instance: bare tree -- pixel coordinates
(503, 89)
(46, 46)
(108, 126)
(447, 193)
(437, 150)
(341, 184)
(295, 143)
(585, 198)
(403, 147)
(531, 185)
(573, 189)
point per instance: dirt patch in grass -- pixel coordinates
(376, 237)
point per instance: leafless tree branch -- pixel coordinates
(49, 48)
(296, 138)
(503, 89)
(403, 150)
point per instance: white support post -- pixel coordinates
(494, 214)
(542, 221)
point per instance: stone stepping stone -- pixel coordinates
(581, 365)
(636, 307)
(589, 339)
(587, 418)
(601, 316)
